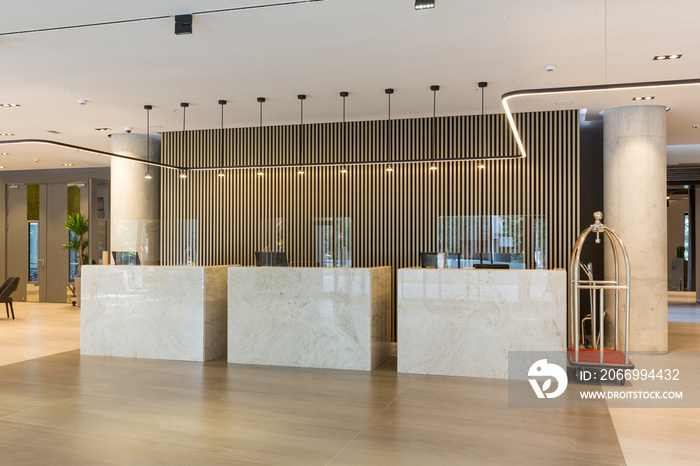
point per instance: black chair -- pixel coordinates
(6, 284)
(6, 295)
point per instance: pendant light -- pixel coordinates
(389, 168)
(220, 173)
(261, 100)
(184, 105)
(148, 108)
(344, 169)
(433, 141)
(302, 98)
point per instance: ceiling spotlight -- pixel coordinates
(4, 153)
(260, 173)
(148, 175)
(183, 24)
(481, 166)
(550, 68)
(9, 105)
(343, 170)
(433, 167)
(183, 174)
(7, 134)
(389, 169)
(648, 97)
(103, 129)
(300, 172)
(2, 166)
(67, 164)
(220, 174)
(673, 56)
(425, 4)
(696, 126)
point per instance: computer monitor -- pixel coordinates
(428, 260)
(126, 258)
(271, 259)
(491, 266)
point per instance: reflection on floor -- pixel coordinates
(67, 409)
(39, 330)
(665, 436)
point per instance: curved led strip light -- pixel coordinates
(582, 89)
(92, 151)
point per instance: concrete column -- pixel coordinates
(135, 200)
(634, 153)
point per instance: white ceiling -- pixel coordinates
(319, 49)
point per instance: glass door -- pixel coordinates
(33, 276)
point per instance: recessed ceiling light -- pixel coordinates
(424, 4)
(10, 105)
(67, 164)
(696, 126)
(4, 153)
(648, 97)
(103, 129)
(2, 166)
(7, 134)
(673, 56)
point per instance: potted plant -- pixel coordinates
(77, 224)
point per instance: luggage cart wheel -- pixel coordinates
(621, 375)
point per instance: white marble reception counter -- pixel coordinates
(464, 321)
(153, 312)
(336, 318)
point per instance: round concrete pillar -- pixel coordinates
(635, 206)
(135, 200)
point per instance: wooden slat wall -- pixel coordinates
(393, 215)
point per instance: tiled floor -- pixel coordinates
(66, 409)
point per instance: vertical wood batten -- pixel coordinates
(392, 216)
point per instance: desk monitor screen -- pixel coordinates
(126, 258)
(271, 259)
(491, 266)
(428, 260)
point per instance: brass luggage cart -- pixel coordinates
(598, 357)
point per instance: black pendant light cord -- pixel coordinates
(148, 141)
(434, 125)
(261, 100)
(221, 142)
(148, 132)
(389, 132)
(301, 98)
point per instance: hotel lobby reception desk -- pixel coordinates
(336, 318)
(463, 322)
(156, 312)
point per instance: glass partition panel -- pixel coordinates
(137, 242)
(494, 239)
